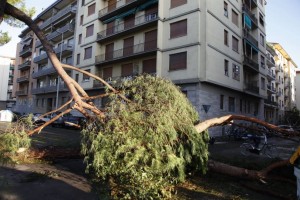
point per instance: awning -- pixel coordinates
(247, 21)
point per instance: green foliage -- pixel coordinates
(146, 146)
(13, 138)
(20, 4)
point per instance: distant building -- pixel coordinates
(298, 89)
(7, 101)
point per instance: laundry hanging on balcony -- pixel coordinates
(131, 11)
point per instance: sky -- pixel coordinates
(282, 26)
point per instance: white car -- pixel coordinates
(286, 127)
(37, 118)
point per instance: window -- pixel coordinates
(263, 83)
(178, 61)
(231, 104)
(176, 3)
(86, 77)
(262, 40)
(89, 30)
(43, 102)
(91, 9)
(87, 53)
(262, 61)
(235, 18)
(221, 101)
(235, 72)
(77, 77)
(82, 2)
(79, 38)
(69, 60)
(63, 100)
(78, 59)
(81, 20)
(226, 37)
(235, 44)
(126, 70)
(226, 64)
(107, 73)
(178, 29)
(37, 102)
(261, 19)
(225, 9)
(241, 105)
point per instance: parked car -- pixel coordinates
(37, 119)
(74, 122)
(286, 127)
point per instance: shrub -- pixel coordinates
(143, 148)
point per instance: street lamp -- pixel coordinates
(57, 86)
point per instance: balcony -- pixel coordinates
(115, 81)
(252, 64)
(270, 61)
(278, 94)
(65, 49)
(10, 82)
(271, 89)
(25, 65)
(252, 87)
(59, 15)
(252, 16)
(120, 29)
(118, 7)
(47, 71)
(287, 85)
(41, 58)
(56, 36)
(23, 79)
(271, 103)
(142, 49)
(22, 93)
(271, 75)
(25, 52)
(250, 38)
(26, 38)
(49, 89)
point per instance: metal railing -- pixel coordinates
(65, 47)
(24, 65)
(58, 15)
(270, 102)
(21, 92)
(252, 16)
(128, 51)
(271, 74)
(23, 78)
(58, 32)
(144, 19)
(252, 63)
(252, 87)
(48, 89)
(113, 7)
(250, 38)
(25, 51)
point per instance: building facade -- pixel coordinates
(7, 67)
(214, 50)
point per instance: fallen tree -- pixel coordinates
(116, 146)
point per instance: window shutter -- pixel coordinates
(178, 61)
(176, 3)
(178, 29)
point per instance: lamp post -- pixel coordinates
(57, 86)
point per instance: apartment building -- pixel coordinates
(39, 88)
(214, 50)
(297, 82)
(7, 101)
(286, 73)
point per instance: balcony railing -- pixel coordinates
(252, 87)
(138, 21)
(21, 92)
(23, 79)
(69, 28)
(26, 38)
(270, 102)
(25, 52)
(270, 88)
(114, 6)
(59, 15)
(250, 38)
(271, 74)
(270, 60)
(49, 89)
(24, 65)
(47, 71)
(58, 50)
(251, 63)
(279, 94)
(252, 16)
(127, 52)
